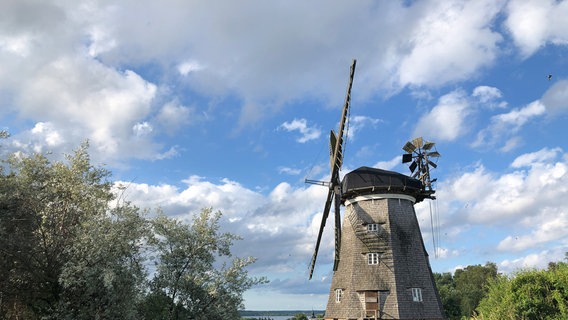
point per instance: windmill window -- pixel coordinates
(338, 295)
(372, 258)
(372, 227)
(417, 294)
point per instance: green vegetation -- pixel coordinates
(479, 292)
(71, 250)
(290, 314)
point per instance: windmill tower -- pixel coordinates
(381, 267)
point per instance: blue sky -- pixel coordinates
(228, 104)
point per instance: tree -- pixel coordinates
(70, 251)
(449, 295)
(105, 275)
(471, 283)
(498, 303)
(42, 211)
(299, 316)
(529, 294)
(186, 277)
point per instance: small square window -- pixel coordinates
(372, 227)
(417, 294)
(338, 295)
(372, 258)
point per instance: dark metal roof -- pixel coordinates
(366, 180)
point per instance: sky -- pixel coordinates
(228, 104)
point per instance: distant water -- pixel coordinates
(271, 317)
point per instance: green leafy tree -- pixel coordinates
(472, 285)
(529, 294)
(105, 274)
(498, 303)
(449, 295)
(47, 202)
(186, 277)
(70, 251)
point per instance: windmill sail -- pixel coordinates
(334, 193)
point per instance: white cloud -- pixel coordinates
(548, 226)
(301, 125)
(536, 158)
(48, 133)
(357, 123)
(538, 260)
(451, 41)
(489, 96)
(290, 171)
(537, 186)
(172, 116)
(506, 125)
(286, 220)
(91, 102)
(142, 129)
(388, 165)
(19, 45)
(516, 118)
(189, 66)
(446, 121)
(533, 23)
(556, 98)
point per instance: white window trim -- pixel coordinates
(373, 258)
(338, 295)
(417, 294)
(373, 227)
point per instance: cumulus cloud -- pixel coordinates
(549, 225)
(506, 125)
(99, 57)
(447, 120)
(537, 259)
(388, 165)
(357, 123)
(489, 97)
(172, 116)
(290, 171)
(278, 228)
(556, 98)
(451, 41)
(528, 199)
(536, 158)
(301, 125)
(534, 23)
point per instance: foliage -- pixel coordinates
(449, 295)
(300, 316)
(186, 277)
(529, 294)
(462, 292)
(43, 207)
(69, 250)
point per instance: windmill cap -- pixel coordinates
(367, 180)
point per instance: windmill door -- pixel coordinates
(371, 304)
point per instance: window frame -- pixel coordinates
(373, 258)
(373, 227)
(416, 294)
(338, 295)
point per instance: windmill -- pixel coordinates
(381, 268)
(334, 192)
(419, 155)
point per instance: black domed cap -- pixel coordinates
(367, 180)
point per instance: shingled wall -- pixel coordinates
(403, 263)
